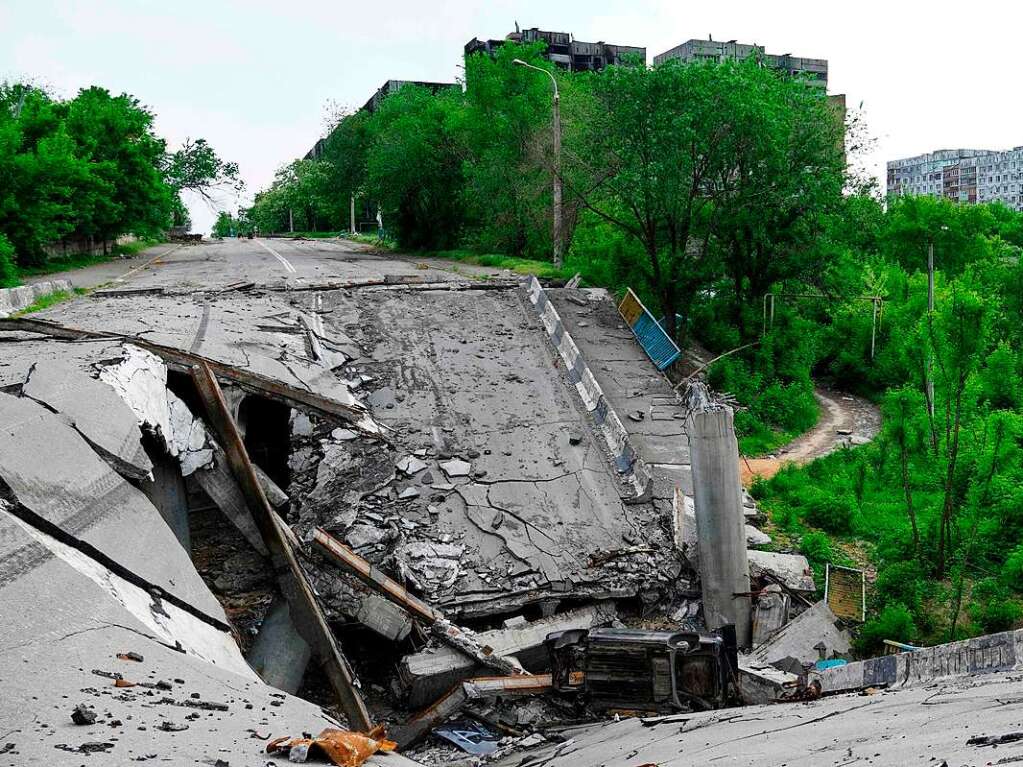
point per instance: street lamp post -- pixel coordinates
(557, 160)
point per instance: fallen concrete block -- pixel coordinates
(383, 617)
(96, 412)
(790, 570)
(763, 684)
(428, 673)
(770, 613)
(811, 634)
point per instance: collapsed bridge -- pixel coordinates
(179, 453)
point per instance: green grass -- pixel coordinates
(57, 297)
(764, 440)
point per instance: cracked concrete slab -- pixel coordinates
(54, 473)
(95, 410)
(63, 652)
(467, 378)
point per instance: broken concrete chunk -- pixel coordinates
(343, 435)
(187, 437)
(301, 426)
(140, 379)
(456, 468)
(800, 638)
(770, 613)
(96, 412)
(791, 570)
(410, 465)
(430, 566)
(83, 715)
(755, 537)
(408, 494)
(361, 536)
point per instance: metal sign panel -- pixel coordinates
(845, 591)
(658, 345)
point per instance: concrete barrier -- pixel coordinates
(16, 299)
(987, 654)
(630, 466)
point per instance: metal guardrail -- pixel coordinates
(658, 345)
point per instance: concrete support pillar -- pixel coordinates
(717, 495)
(279, 655)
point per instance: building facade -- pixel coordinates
(563, 50)
(964, 175)
(815, 71)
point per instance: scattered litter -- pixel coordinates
(130, 656)
(341, 747)
(470, 736)
(995, 740)
(168, 726)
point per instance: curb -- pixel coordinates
(992, 653)
(629, 465)
(15, 299)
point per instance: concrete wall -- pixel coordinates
(80, 246)
(15, 299)
(980, 655)
(630, 466)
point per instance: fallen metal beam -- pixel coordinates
(374, 577)
(309, 619)
(451, 703)
(446, 631)
(185, 361)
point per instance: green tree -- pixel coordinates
(414, 167)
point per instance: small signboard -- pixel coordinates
(845, 591)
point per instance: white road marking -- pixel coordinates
(284, 262)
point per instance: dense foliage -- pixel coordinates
(88, 169)
(934, 504)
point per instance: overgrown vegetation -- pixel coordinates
(88, 170)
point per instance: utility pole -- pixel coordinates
(351, 212)
(556, 106)
(291, 221)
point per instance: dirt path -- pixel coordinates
(844, 420)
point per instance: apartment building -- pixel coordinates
(815, 71)
(964, 175)
(563, 49)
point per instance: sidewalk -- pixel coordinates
(88, 277)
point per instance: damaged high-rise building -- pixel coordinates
(563, 50)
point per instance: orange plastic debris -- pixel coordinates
(123, 683)
(343, 748)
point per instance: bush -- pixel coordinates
(895, 622)
(902, 582)
(1012, 570)
(830, 511)
(991, 608)
(8, 271)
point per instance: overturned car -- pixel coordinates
(646, 670)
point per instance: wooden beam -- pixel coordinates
(305, 610)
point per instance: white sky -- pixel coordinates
(254, 77)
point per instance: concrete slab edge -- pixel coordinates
(631, 468)
(16, 299)
(992, 653)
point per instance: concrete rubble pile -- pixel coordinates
(381, 499)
